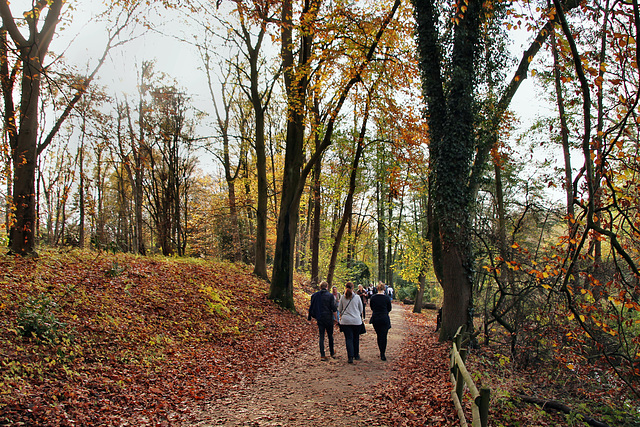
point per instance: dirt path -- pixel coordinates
(305, 391)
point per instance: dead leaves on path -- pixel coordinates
(148, 341)
(419, 391)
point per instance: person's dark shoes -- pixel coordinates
(357, 357)
(333, 355)
(350, 360)
(383, 357)
(324, 358)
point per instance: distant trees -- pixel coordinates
(23, 55)
(170, 150)
(297, 77)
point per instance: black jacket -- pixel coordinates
(380, 307)
(322, 307)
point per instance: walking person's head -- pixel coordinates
(381, 287)
(334, 290)
(324, 284)
(349, 292)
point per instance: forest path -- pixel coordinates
(305, 391)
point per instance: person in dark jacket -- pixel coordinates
(323, 309)
(380, 305)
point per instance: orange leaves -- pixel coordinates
(419, 392)
(147, 337)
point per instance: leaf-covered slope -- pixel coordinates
(114, 338)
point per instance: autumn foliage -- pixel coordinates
(129, 338)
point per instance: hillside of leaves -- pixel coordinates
(89, 339)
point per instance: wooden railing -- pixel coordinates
(461, 377)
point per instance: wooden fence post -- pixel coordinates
(459, 377)
(485, 395)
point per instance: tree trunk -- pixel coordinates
(260, 266)
(315, 224)
(382, 253)
(296, 81)
(348, 205)
(24, 159)
(417, 306)
(281, 289)
(451, 122)
(564, 133)
(390, 251)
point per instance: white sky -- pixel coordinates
(83, 41)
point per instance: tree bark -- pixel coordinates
(382, 233)
(417, 306)
(294, 176)
(451, 148)
(317, 210)
(348, 205)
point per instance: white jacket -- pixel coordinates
(350, 312)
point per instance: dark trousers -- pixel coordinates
(322, 327)
(381, 334)
(352, 339)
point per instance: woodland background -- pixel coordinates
(362, 141)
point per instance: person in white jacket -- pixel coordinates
(350, 309)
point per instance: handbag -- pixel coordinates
(363, 329)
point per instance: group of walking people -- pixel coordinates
(348, 311)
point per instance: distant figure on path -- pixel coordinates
(380, 307)
(362, 293)
(350, 309)
(337, 296)
(323, 309)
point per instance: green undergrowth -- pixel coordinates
(80, 330)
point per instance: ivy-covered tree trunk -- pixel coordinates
(451, 121)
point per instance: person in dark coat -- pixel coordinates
(380, 305)
(323, 309)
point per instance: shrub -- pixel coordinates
(37, 319)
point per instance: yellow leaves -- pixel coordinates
(572, 316)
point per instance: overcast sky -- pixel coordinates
(83, 39)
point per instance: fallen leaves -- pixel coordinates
(142, 343)
(419, 392)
